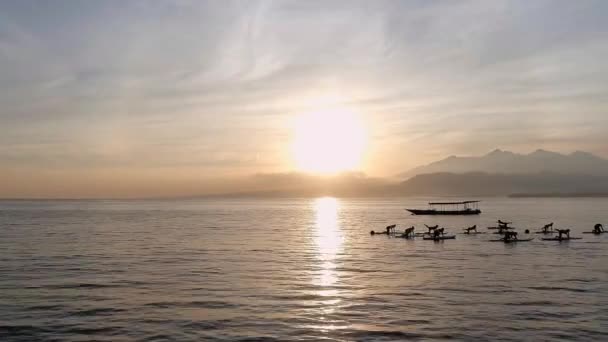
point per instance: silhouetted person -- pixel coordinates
(390, 229)
(504, 229)
(563, 232)
(409, 232)
(502, 224)
(431, 228)
(510, 236)
(438, 232)
(598, 228)
(547, 228)
(471, 229)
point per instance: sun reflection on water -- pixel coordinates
(328, 235)
(328, 239)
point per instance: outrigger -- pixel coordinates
(597, 230)
(546, 229)
(453, 208)
(561, 237)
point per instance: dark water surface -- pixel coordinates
(298, 269)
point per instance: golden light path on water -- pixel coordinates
(328, 238)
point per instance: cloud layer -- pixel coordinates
(206, 89)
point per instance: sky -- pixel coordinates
(145, 98)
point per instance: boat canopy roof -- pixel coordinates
(452, 203)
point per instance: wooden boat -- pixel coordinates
(449, 208)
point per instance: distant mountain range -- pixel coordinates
(498, 173)
(542, 184)
(505, 162)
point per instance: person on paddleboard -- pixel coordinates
(431, 228)
(510, 236)
(563, 232)
(438, 232)
(390, 229)
(598, 229)
(471, 229)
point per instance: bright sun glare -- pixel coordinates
(328, 140)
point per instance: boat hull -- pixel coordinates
(444, 212)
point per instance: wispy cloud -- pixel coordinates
(210, 84)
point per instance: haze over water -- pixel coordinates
(297, 269)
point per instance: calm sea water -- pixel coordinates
(297, 269)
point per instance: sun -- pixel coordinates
(328, 140)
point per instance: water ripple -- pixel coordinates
(294, 269)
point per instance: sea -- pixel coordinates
(302, 269)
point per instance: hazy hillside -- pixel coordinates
(306, 185)
(486, 184)
(499, 173)
(581, 163)
(435, 184)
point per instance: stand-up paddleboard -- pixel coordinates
(439, 238)
(473, 233)
(547, 232)
(596, 233)
(562, 239)
(403, 236)
(515, 240)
